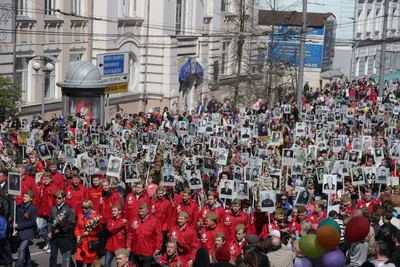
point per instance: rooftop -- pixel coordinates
(291, 18)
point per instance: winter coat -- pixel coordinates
(82, 250)
(116, 229)
(76, 196)
(26, 221)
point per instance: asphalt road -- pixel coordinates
(41, 258)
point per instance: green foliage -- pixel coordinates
(10, 96)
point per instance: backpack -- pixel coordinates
(3, 228)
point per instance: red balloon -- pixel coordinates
(328, 237)
(356, 229)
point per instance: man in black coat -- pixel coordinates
(387, 231)
(61, 231)
(6, 210)
(25, 228)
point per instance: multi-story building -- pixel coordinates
(6, 37)
(49, 31)
(368, 36)
(160, 36)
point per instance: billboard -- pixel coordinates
(288, 52)
(329, 45)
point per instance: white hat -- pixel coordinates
(275, 233)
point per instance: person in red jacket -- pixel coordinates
(208, 234)
(116, 234)
(122, 258)
(161, 208)
(367, 201)
(44, 201)
(76, 194)
(144, 236)
(95, 192)
(213, 206)
(277, 223)
(186, 239)
(345, 205)
(27, 183)
(83, 236)
(58, 178)
(318, 214)
(233, 218)
(188, 205)
(170, 257)
(236, 245)
(133, 201)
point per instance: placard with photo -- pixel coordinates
(222, 156)
(268, 200)
(44, 152)
(131, 173)
(14, 184)
(194, 178)
(226, 189)
(114, 166)
(382, 175)
(168, 176)
(303, 197)
(392, 181)
(276, 139)
(321, 171)
(357, 176)
(242, 190)
(370, 174)
(329, 185)
(102, 164)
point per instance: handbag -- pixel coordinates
(94, 245)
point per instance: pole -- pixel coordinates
(43, 94)
(383, 50)
(147, 56)
(14, 27)
(302, 52)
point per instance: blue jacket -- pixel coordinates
(3, 228)
(26, 221)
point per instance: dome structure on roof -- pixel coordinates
(83, 74)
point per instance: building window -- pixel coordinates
(374, 65)
(49, 82)
(129, 8)
(178, 21)
(366, 66)
(225, 5)
(76, 7)
(22, 76)
(22, 6)
(225, 58)
(49, 7)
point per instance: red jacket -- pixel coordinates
(59, 180)
(27, 183)
(187, 242)
(231, 221)
(171, 262)
(361, 204)
(94, 196)
(144, 237)
(45, 199)
(82, 250)
(220, 211)
(131, 205)
(106, 204)
(235, 248)
(162, 210)
(116, 234)
(191, 208)
(207, 236)
(265, 231)
(314, 219)
(76, 196)
(251, 228)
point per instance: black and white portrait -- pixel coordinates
(226, 188)
(382, 175)
(329, 184)
(103, 142)
(356, 145)
(268, 200)
(131, 147)
(102, 164)
(182, 126)
(222, 156)
(168, 176)
(14, 184)
(69, 153)
(195, 181)
(44, 152)
(114, 166)
(303, 197)
(370, 174)
(238, 173)
(242, 190)
(87, 140)
(357, 176)
(131, 173)
(276, 138)
(192, 129)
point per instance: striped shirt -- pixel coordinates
(340, 222)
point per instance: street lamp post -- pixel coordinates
(47, 69)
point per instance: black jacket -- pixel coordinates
(5, 208)
(386, 233)
(396, 256)
(65, 226)
(26, 221)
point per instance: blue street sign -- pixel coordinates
(114, 68)
(113, 64)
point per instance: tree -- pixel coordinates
(10, 96)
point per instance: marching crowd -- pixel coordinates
(216, 186)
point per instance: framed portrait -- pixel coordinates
(242, 190)
(226, 189)
(268, 200)
(357, 176)
(194, 179)
(114, 166)
(44, 152)
(168, 174)
(303, 197)
(102, 164)
(276, 138)
(14, 184)
(329, 184)
(131, 173)
(382, 175)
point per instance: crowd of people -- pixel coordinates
(216, 186)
